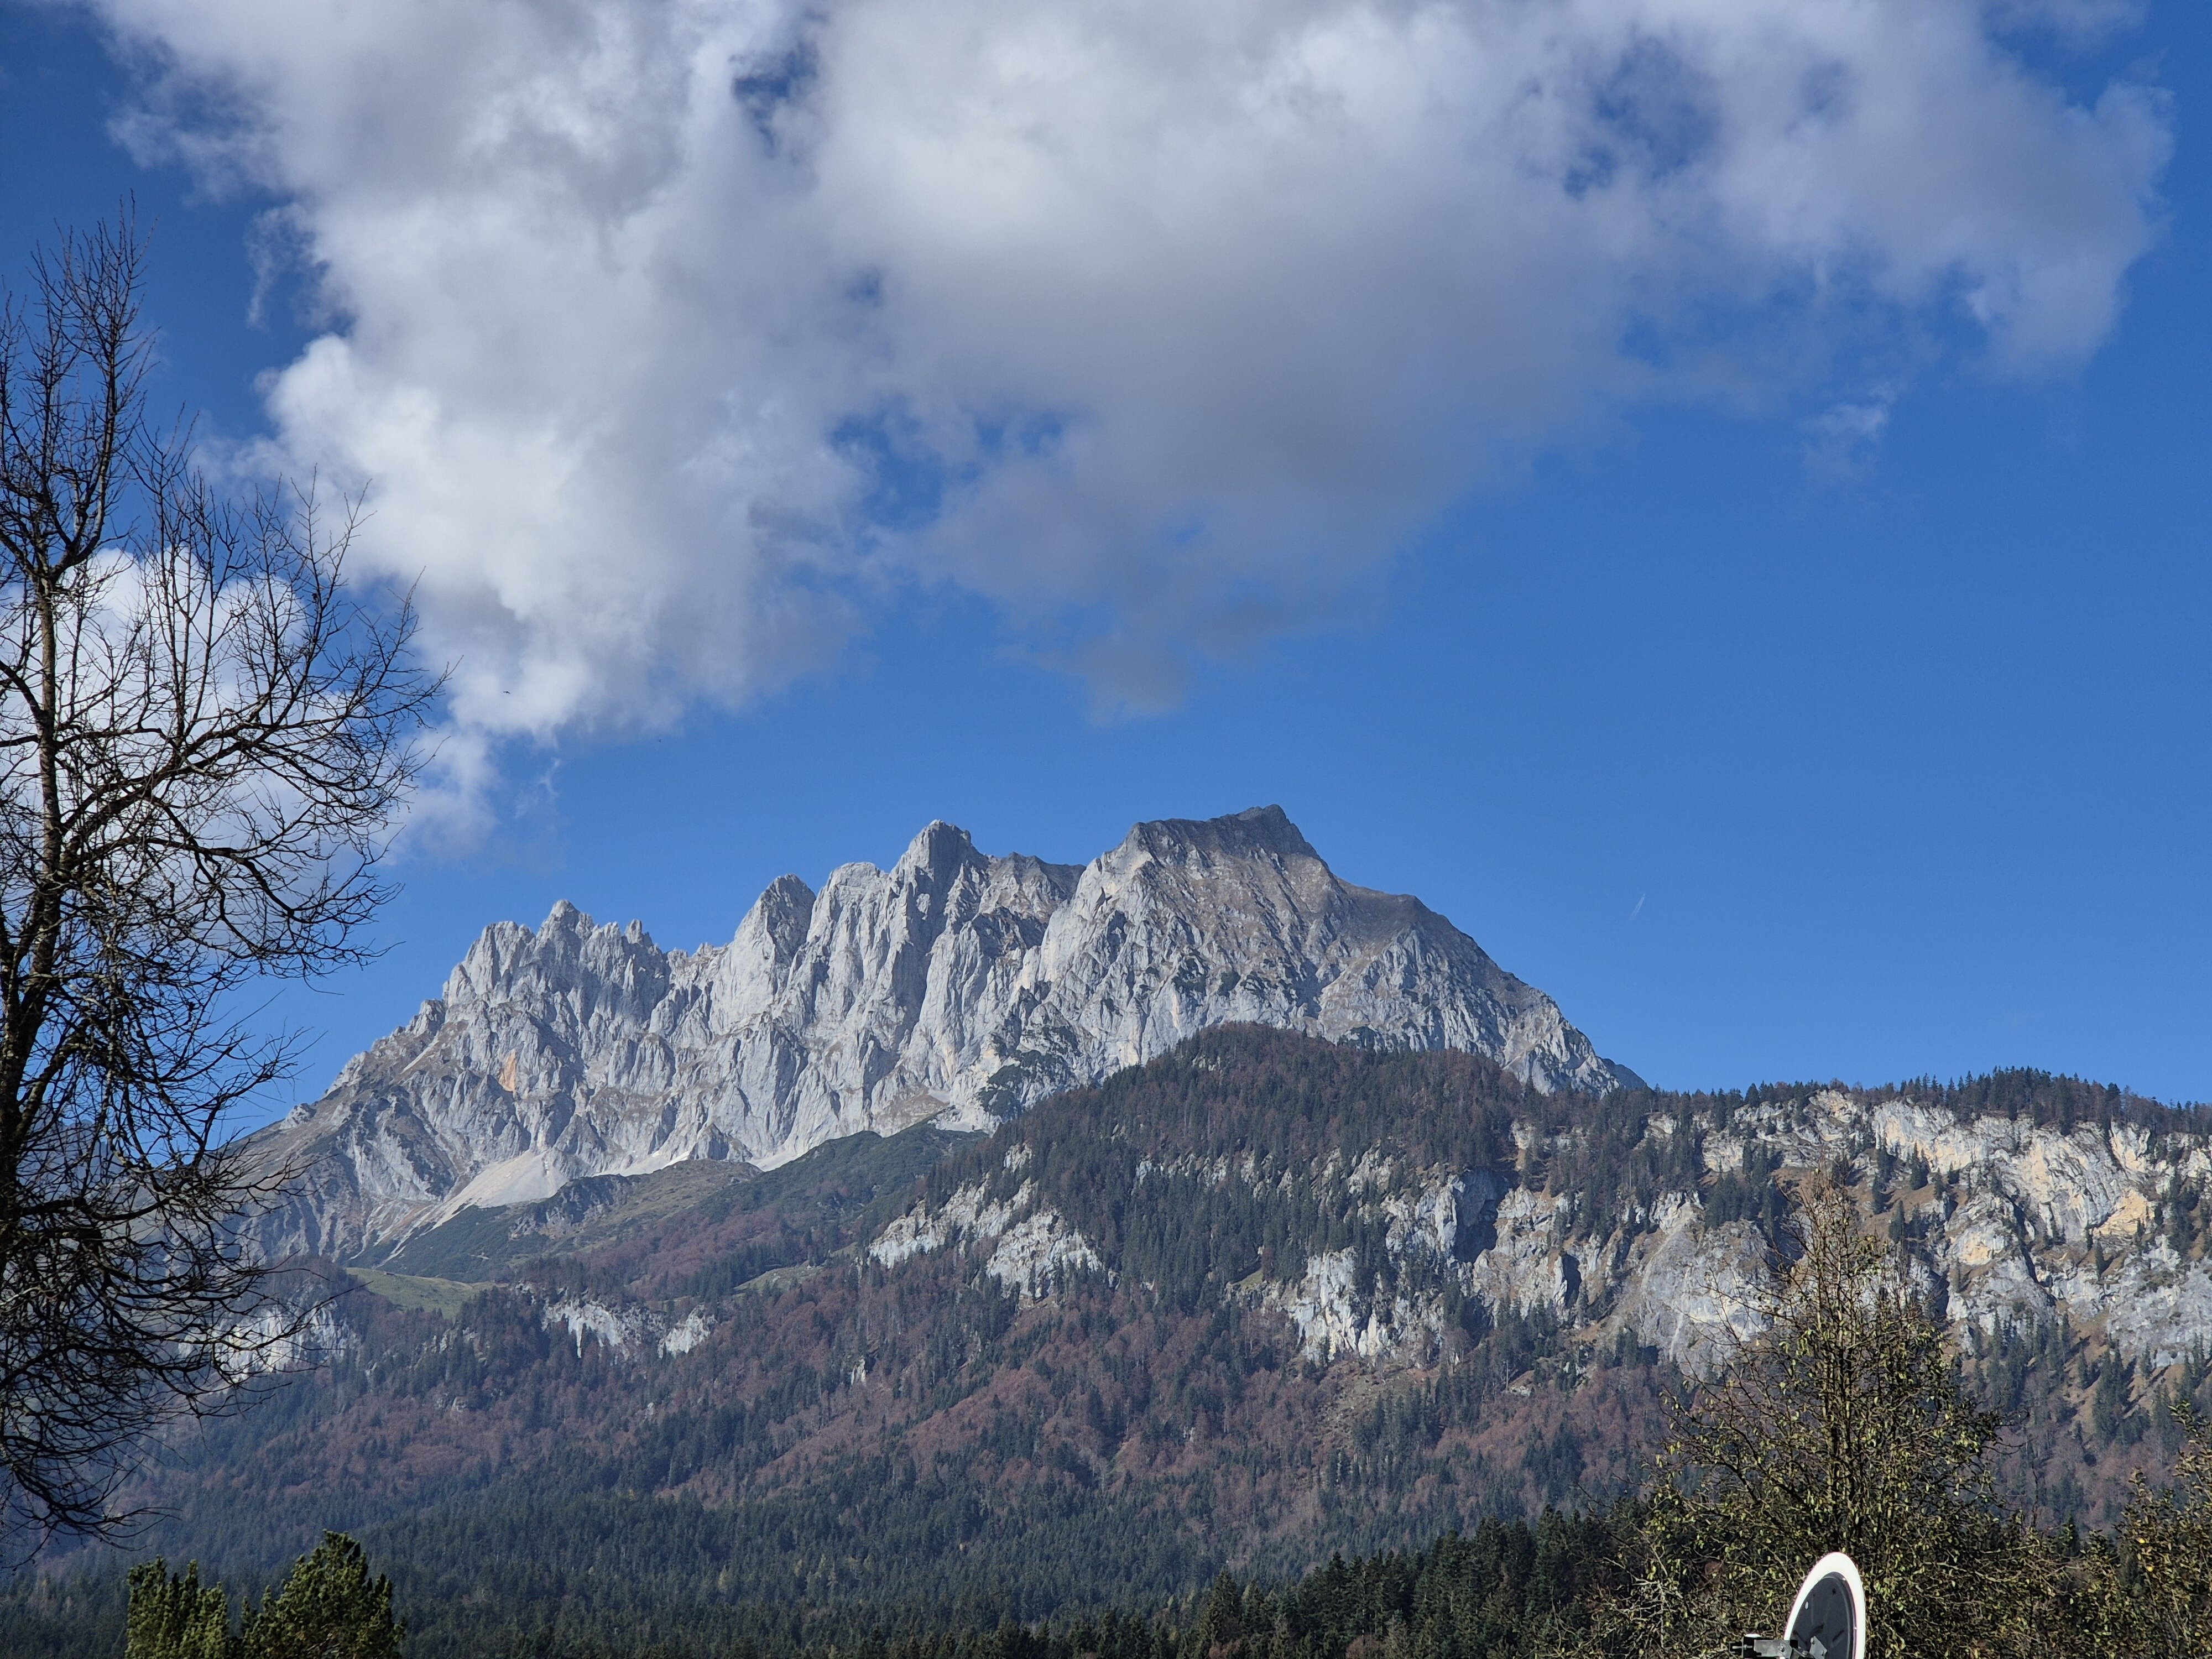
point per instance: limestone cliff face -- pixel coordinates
(954, 985)
(2003, 1224)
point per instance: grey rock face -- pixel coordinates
(2012, 1225)
(2003, 1225)
(954, 984)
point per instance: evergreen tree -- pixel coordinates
(173, 1616)
(327, 1607)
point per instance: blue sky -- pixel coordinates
(1783, 651)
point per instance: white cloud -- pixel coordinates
(673, 335)
(1843, 437)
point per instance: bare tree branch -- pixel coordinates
(204, 739)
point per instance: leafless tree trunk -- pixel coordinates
(204, 739)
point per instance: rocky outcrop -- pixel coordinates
(2001, 1224)
(955, 985)
(629, 1330)
(1033, 1252)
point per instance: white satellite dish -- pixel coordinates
(1828, 1619)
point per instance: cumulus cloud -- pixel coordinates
(671, 337)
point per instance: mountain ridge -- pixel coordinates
(1262, 1299)
(957, 986)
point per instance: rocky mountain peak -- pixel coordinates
(1256, 832)
(778, 922)
(940, 855)
(956, 985)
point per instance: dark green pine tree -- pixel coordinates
(173, 1616)
(327, 1607)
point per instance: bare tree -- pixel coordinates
(203, 740)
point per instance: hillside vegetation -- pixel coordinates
(1261, 1302)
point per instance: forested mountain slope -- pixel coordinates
(1259, 1300)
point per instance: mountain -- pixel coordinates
(955, 987)
(1261, 1299)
